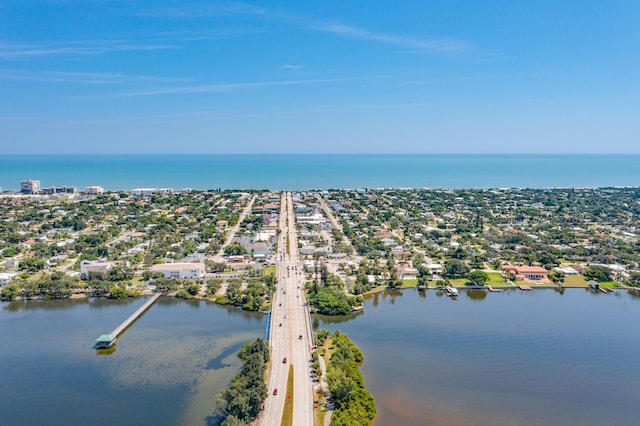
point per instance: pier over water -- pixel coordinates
(108, 340)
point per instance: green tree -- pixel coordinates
(556, 276)
(10, 291)
(31, 264)
(117, 292)
(454, 269)
(235, 249)
(478, 277)
(599, 273)
(233, 421)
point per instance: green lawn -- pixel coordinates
(377, 289)
(269, 270)
(287, 412)
(495, 279)
(575, 281)
(459, 282)
(532, 283)
(410, 283)
(319, 417)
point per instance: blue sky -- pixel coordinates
(341, 76)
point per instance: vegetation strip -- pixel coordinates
(287, 412)
(243, 400)
(353, 404)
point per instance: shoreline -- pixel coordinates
(532, 287)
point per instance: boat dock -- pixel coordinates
(524, 287)
(108, 340)
(493, 290)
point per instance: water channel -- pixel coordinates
(511, 358)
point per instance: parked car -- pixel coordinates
(275, 391)
(284, 361)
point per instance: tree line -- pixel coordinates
(353, 404)
(243, 400)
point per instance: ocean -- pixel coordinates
(321, 171)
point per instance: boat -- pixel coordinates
(451, 291)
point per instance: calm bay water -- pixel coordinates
(512, 358)
(167, 368)
(321, 171)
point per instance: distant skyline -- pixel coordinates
(338, 76)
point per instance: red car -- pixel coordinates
(275, 391)
(284, 361)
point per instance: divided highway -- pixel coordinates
(290, 334)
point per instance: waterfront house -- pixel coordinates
(527, 273)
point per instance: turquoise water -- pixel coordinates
(511, 358)
(322, 171)
(167, 368)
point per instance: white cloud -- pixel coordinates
(201, 10)
(291, 67)
(45, 76)
(210, 88)
(433, 45)
(77, 48)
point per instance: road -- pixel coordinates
(290, 335)
(218, 257)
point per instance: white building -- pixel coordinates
(60, 190)
(94, 190)
(6, 278)
(89, 266)
(144, 192)
(185, 271)
(567, 270)
(30, 186)
(434, 268)
(313, 219)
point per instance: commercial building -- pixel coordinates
(30, 186)
(185, 271)
(144, 192)
(60, 190)
(312, 219)
(94, 190)
(90, 266)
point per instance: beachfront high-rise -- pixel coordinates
(94, 190)
(30, 186)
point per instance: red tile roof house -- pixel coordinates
(528, 273)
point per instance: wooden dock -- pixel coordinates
(493, 290)
(107, 341)
(524, 287)
(122, 327)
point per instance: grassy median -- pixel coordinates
(287, 412)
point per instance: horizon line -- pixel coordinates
(58, 154)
